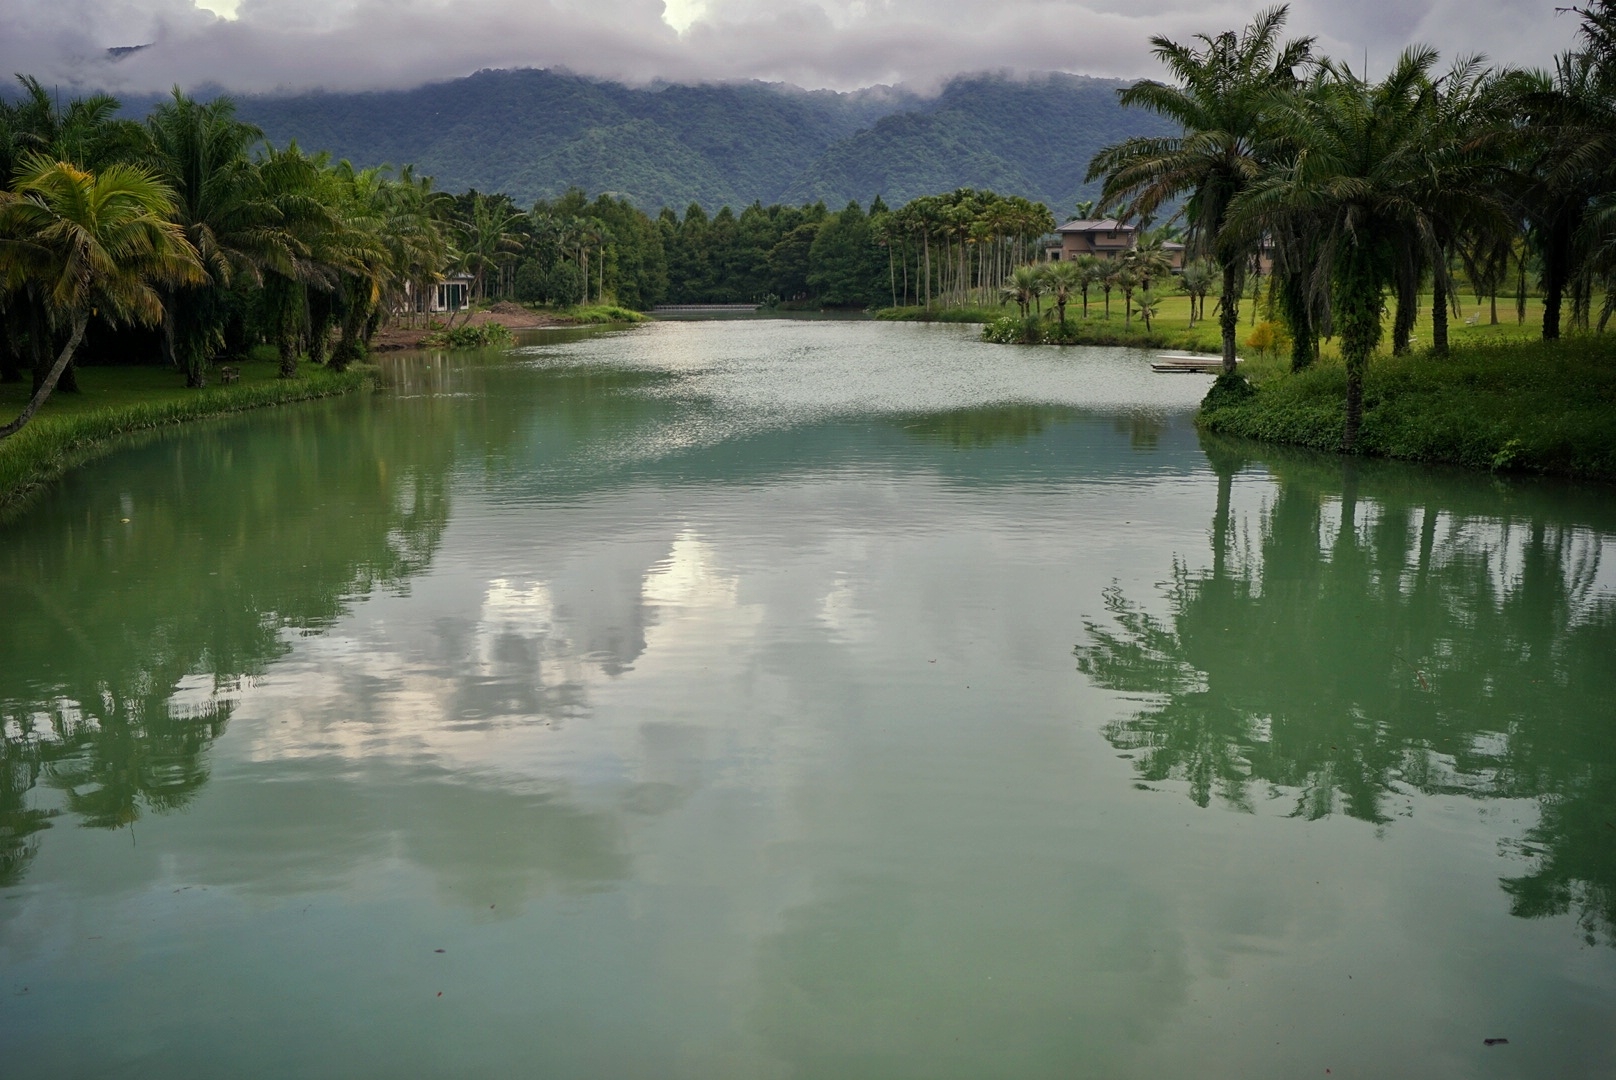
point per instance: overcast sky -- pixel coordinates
(266, 45)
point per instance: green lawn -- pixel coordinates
(72, 428)
(1170, 328)
(1494, 403)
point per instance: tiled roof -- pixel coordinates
(1094, 225)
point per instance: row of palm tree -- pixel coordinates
(1365, 190)
(1133, 274)
(964, 246)
(191, 223)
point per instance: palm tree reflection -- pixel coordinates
(1373, 634)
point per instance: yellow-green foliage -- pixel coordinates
(1269, 336)
(605, 313)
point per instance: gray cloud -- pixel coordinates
(365, 44)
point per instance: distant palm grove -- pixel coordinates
(188, 239)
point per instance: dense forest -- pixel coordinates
(935, 248)
(535, 134)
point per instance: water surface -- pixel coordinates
(800, 699)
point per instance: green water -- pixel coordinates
(800, 699)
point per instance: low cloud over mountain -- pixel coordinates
(268, 45)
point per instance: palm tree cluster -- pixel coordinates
(1133, 273)
(964, 246)
(1362, 190)
(190, 224)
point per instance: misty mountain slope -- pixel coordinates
(662, 172)
(908, 155)
(532, 134)
(758, 138)
(1023, 137)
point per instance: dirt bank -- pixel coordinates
(511, 316)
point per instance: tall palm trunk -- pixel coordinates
(53, 376)
(1556, 273)
(1408, 303)
(1228, 314)
(927, 241)
(1358, 309)
(1439, 317)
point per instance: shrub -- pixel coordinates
(485, 336)
(1014, 330)
(1270, 338)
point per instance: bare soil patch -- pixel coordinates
(396, 336)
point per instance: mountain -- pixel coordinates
(1031, 137)
(534, 133)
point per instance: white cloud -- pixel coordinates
(265, 45)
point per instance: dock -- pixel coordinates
(1189, 363)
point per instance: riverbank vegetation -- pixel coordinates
(1361, 193)
(185, 242)
(1541, 406)
(115, 401)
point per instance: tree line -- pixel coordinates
(1366, 190)
(957, 248)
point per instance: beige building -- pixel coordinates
(1105, 237)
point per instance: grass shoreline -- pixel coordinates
(1530, 407)
(77, 432)
(1094, 330)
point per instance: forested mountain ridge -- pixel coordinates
(534, 133)
(1032, 137)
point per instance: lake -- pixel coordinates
(768, 698)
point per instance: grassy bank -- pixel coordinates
(1171, 329)
(1528, 406)
(603, 313)
(72, 429)
(939, 314)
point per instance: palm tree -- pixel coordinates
(1127, 279)
(200, 150)
(299, 190)
(1147, 302)
(1569, 126)
(1196, 280)
(99, 244)
(1354, 176)
(1223, 92)
(1061, 278)
(1091, 268)
(1026, 283)
(489, 238)
(87, 133)
(1107, 278)
(1149, 258)
(364, 264)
